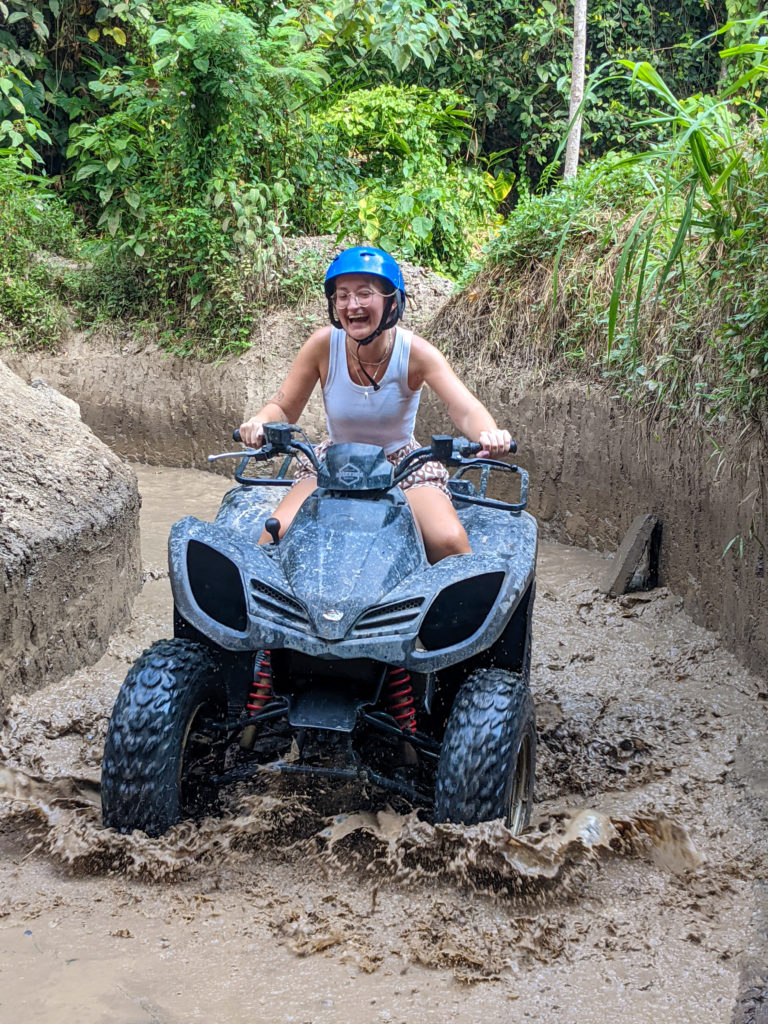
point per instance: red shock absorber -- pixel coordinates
(400, 699)
(261, 689)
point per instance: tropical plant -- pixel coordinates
(184, 164)
(53, 47)
(712, 167)
(514, 68)
(651, 269)
(398, 177)
(368, 41)
(36, 226)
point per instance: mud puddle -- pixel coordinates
(633, 897)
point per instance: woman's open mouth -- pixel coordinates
(355, 319)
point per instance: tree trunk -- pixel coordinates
(577, 87)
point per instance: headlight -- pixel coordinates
(459, 611)
(216, 586)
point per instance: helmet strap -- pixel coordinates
(374, 384)
(332, 314)
(389, 318)
(362, 370)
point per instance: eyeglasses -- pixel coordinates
(364, 297)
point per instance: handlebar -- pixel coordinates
(279, 440)
(443, 446)
(458, 452)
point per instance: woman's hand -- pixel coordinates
(495, 443)
(252, 432)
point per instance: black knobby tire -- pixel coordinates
(488, 756)
(157, 755)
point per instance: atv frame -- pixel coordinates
(337, 650)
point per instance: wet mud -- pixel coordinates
(636, 895)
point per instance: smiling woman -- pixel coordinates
(372, 372)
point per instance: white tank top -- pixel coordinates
(355, 413)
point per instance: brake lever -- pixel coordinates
(230, 455)
(494, 463)
(257, 454)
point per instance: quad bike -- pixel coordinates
(337, 650)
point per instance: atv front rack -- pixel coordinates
(465, 491)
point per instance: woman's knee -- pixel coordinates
(452, 540)
(444, 536)
(289, 506)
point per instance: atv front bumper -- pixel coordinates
(234, 593)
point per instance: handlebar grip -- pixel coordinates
(512, 447)
(235, 435)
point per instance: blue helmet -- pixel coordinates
(364, 259)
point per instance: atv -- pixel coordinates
(337, 650)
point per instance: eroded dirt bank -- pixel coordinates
(593, 464)
(69, 538)
(635, 898)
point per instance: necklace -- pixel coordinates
(369, 362)
(371, 378)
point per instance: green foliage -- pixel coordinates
(182, 164)
(53, 47)
(296, 278)
(190, 136)
(659, 259)
(36, 227)
(708, 176)
(19, 130)
(595, 201)
(706, 224)
(368, 40)
(393, 174)
(514, 68)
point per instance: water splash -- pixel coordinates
(404, 847)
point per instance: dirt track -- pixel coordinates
(637, 897)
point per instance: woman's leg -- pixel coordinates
(290, 505)
(440, 527)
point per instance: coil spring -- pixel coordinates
(261, 688)
(400, 699)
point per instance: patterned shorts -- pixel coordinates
(430, 474)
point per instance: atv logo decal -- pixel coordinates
(350, 475)
(333, 615)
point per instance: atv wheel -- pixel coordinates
(488, 757)
(160, 752)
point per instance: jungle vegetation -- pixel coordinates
(154, 155)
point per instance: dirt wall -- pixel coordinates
(593, 464)
(69, 540)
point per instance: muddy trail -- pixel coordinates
(635, 897)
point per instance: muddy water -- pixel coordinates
(635, 897)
